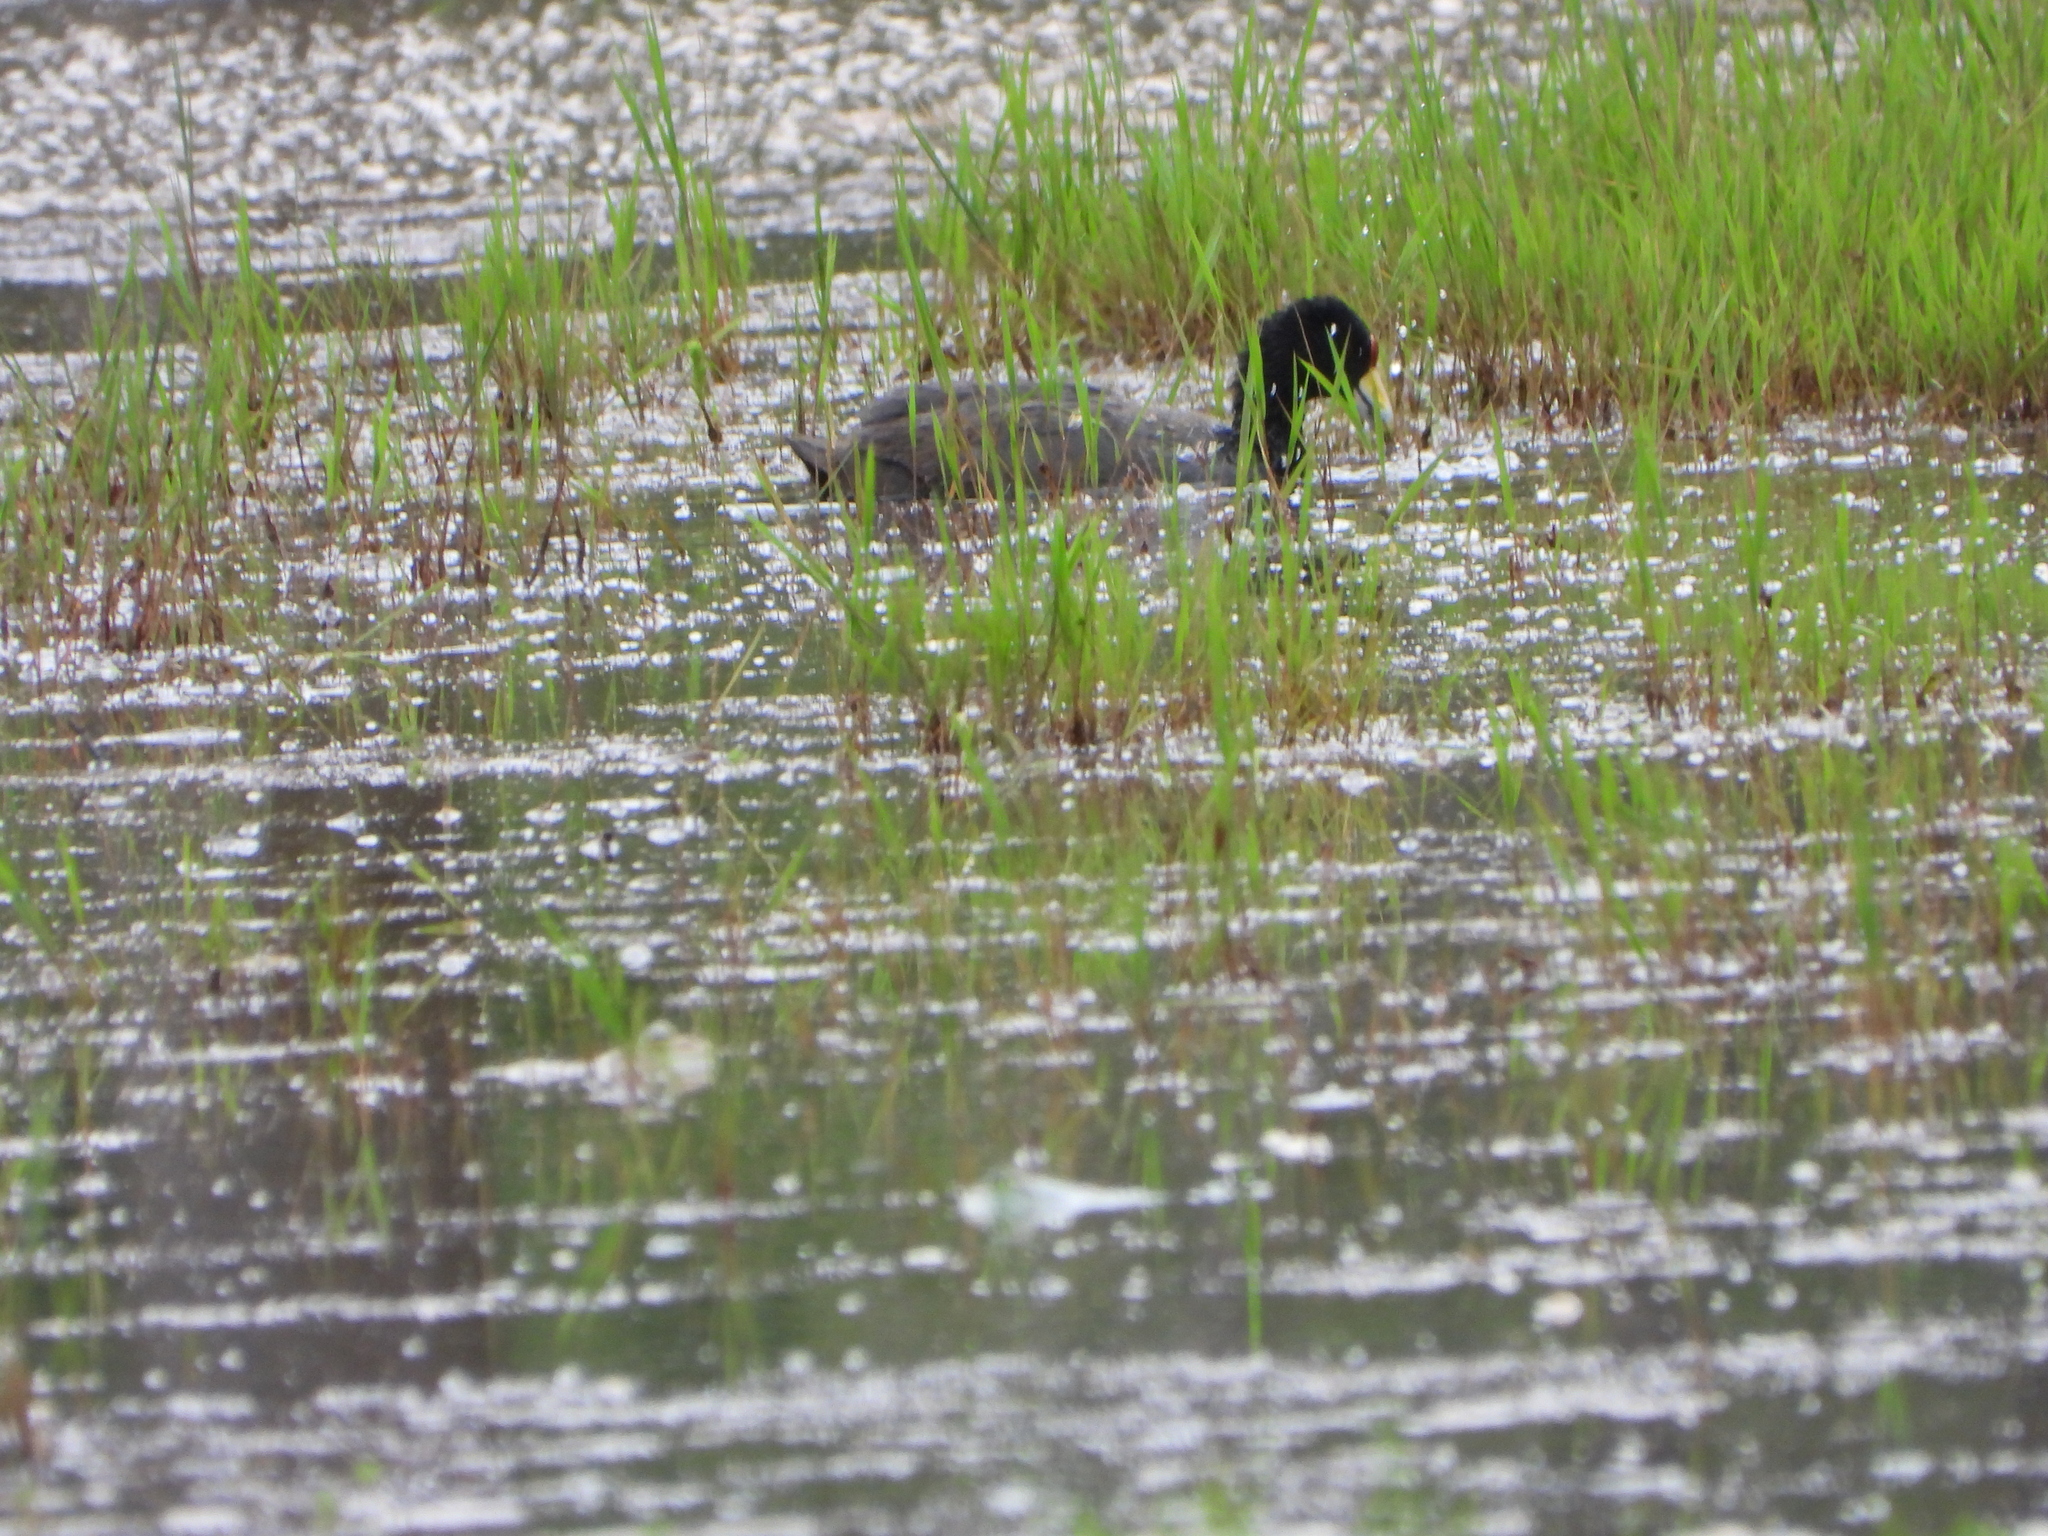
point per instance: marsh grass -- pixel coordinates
(217, 430)
(1689, 215)
(1048, 631)
(1843, 854)
(1661, 220)
(114, 489)
(1865, 604)
(1066, 766)
(712, 265)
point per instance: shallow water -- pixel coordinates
(560, 1057)
(1057, 1181)
(391, 130)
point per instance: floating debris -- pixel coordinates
(1019, 1201)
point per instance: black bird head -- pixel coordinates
(1303, 350)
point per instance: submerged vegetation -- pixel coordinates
(1699, 221)
(1501, 909)
(155, 487)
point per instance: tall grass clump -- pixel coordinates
(132, 506)
(219, 429)
(515, 312)
(1682, 213)
(1156, 233)
(1717, 215)
(1056, 635)
(712, 264)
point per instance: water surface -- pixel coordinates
(979, 1175)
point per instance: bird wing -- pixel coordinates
(980, 439)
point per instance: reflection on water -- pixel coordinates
(395, 129)
(563, 1057)
(478, 1068)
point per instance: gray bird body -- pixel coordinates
(986, 439)
(979, 438)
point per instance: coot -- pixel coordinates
(979, 437)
